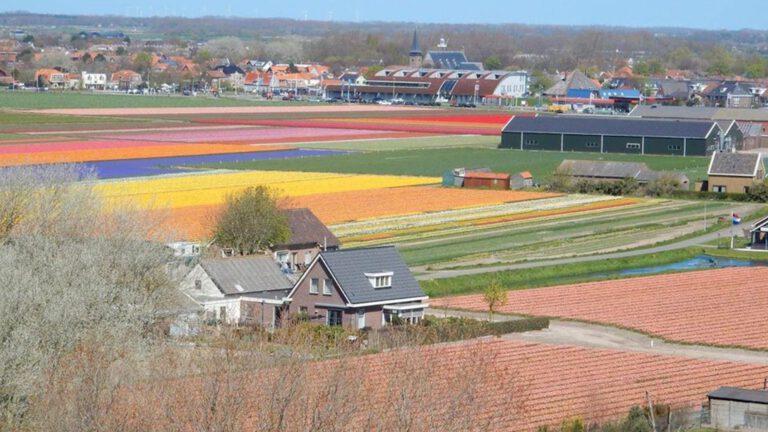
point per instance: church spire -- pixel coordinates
(415, 46)
(415, 57)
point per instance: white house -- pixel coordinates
(238, 290)
(94, 81)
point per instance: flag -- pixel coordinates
(736, 218)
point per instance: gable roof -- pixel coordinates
(740, 395)
(575, 79)
(603, 169)
(349, 267)
(306, 229)
(625, 126)
(253, 274)
(735, 164)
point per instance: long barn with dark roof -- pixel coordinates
(612, 135)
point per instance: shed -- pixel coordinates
(737, 408)
(460, 173)
(758, 233)
(735, 172)
(521, 180)
(487, 180)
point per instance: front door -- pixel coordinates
(334, 317)
(360, 318)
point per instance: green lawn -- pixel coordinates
(68, 99)
(434, 162)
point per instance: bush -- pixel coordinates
(518, 326)
(664, 185)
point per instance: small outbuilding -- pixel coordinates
(758, 233)
(732, 408)
(735, 172)
(483, 180)
(613, 171)
(521, 180)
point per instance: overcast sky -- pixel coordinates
(705, 14)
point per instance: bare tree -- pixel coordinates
(70, 272)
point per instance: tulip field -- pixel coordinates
(555, 383)
(481, 124)
(211, 189)
(724, 307)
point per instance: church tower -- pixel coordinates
(415, 58)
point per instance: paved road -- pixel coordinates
(694, 241)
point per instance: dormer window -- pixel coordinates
(380, 279)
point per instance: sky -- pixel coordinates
(703, 14)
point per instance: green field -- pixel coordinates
(569, 273)
(69, 99)
(553, 275)
(553, 236)
(435, 162)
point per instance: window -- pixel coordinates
(327, 287)
(282, 257)
(380, 280)
(633, 146)
(719, 188)
(334, 317)
(593, 145)
(313, 285)
(303, 310)
(674, 147)
(531, 142)
(198, 284)
(308, 258)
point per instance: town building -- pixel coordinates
(439, 76)
(52, 78)
(426, 86)
(125, 79)
(93, 81)
(614, 135)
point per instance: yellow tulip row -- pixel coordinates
(210, 189)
